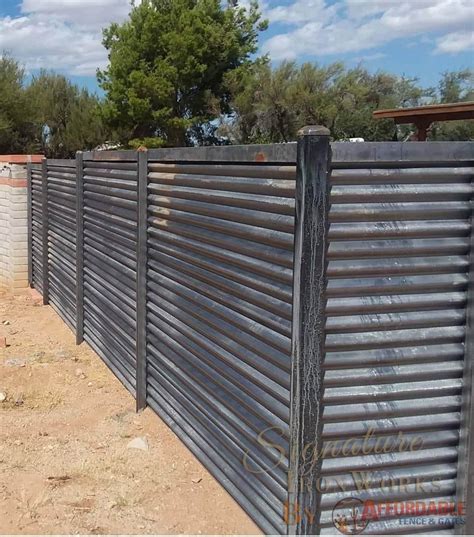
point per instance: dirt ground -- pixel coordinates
(65, 424)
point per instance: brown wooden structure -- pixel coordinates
(423, 116)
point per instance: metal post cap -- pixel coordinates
(314, 130)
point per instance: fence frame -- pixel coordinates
(465, 482)
(314, 164)
(309, 302)
(44, 184)
(29, 210)
(142, 265)
(79, 248)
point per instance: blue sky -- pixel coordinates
(417, 38)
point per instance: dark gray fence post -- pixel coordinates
(142, 279)
(309, 303)
(45, 249)
(465, 485)
(79, 248)
(29, 209)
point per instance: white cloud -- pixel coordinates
(61, 34)
(319, 28)
(66, 34)
(455, 42)
(93, 14)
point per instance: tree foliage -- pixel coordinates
(17, 130)
(166, 80)
(456, 86)
(271, 104)
(48, 115)
(68, 117)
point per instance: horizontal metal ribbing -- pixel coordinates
(349, 325)
(272, 221)
(402, 175)
(401, 193)
(240, 305)
(274, 464)
(397, 285)
(393, 267)
(264, 485)
(98, 264)
(398, 373)
(380, 212)
(219, 308)
(258, 282)
(340, 432)
(163, 172)
(110, 238)
(106, 325)
(114, 252)
(399, 229)
(62, 230)
(251, 264)
(394, 338)
(243, 200)
(395, 303)
(115, 354)
(375, 249)
(109, 191)
(393, 356)
(428, 405)
(230, 388)
(124, 179)
(270, 311)
(103, 348)
(249, 356)
(112, 207)
(398, 260)
(97, 215)
(165, 217)
(437, 525)
(183, 424)
(225, 364)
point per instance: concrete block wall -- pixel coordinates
(13, 229)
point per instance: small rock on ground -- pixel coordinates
(138, 443)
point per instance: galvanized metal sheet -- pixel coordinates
(219, 294)
(396, 315)
(109, 276)
(220, 241)
(37, 226)
(62, 231)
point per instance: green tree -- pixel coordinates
(18, 132)
(166, 79)
(67, 117)
(271, 104)
(453, 87)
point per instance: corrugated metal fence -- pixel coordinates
(302, 323)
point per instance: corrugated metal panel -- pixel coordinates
(220, 258)
(219, 289)
(396, 313)
(62, 238)
(37, 226)
(110, 220)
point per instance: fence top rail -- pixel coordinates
(433, 154)
(115, 155)
(344, 153)
(32, 166)
(63, 163)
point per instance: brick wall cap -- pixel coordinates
(21, 159)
